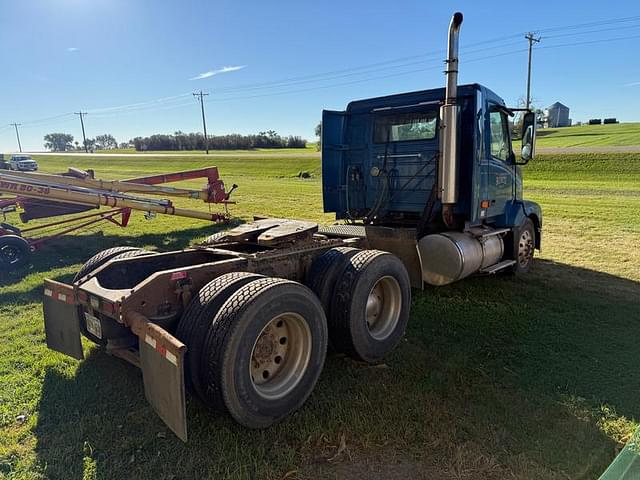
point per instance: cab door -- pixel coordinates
(500, 164)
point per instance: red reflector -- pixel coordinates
(108, 307)
(178, 275)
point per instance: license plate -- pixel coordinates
(93, 325)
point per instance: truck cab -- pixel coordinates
(383, 160)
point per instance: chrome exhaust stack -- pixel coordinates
(448, 171)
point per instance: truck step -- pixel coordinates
(487, 232)
(498, 266)
(343, 231)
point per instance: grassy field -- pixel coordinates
(499, 377)
(590, 135)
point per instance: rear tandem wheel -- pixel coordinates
(264, 351)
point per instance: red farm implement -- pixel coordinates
(75, 193)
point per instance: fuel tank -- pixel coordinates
(451, 256)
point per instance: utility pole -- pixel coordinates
(200, 96)
(531, 39)
(81, 114)
(16, 125)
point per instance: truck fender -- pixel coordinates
(518, 210)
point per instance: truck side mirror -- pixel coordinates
(528, 137)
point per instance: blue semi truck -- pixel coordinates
(428, 190)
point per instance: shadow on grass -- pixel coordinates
(522, 372)
(73, 249)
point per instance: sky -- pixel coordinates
(134, 64)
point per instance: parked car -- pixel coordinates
(23, 163)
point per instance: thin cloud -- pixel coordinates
(72, 49)
(632, 84)
(211, 73)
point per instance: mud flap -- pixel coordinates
(61, 322)
(402, 243)
(162, 363)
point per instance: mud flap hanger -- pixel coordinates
(161, 355)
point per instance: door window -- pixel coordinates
(499, 135)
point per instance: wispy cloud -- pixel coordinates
(211, 73)
(632, 84)
(72, 49)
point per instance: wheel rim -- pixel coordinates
(525, 248)
(280, 355)
(10, 254)
(383, 307)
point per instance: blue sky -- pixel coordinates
(132, 64)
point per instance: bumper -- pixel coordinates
(160, 356)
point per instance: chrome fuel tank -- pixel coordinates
(451, 256)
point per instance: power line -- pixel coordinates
(176, 101)
(576, 26)
(16, 125)
(81, 114)
(200, 96)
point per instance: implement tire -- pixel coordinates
(196, 321)
(14, 251)
(265, 351)
(371, 306)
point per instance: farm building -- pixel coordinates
(557, 115)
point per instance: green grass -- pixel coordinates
(590, 135)
(500, 377)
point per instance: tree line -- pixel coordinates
(196, 141)
(63, 142)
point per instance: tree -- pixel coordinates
(319, 135)
(90, 144)
(58, 142)
(106, 142)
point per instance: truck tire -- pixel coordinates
(265, 351)
(111, 328)
(212, 239)
(14, 251)
(322, 276)
(371, 306)
(100, 259)
(524, 242)
(196, 320)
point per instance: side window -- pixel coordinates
(499, 135)
(405, 127)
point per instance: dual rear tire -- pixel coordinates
(255, 346)
(366, 295)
